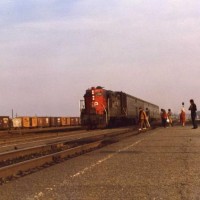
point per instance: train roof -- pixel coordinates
(141, 100)
(134, 97)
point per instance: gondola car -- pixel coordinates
(103, 108)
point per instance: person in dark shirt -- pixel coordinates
(193, 109)
(163, 115)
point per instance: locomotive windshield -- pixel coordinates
(98, 94)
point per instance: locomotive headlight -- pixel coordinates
(92, 95)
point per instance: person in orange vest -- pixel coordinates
(142, 119)
(163, 118)
(182, 116)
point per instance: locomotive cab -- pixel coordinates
(94, 113)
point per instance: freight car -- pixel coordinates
(25, 122)
(5, 122)
(42, 122)
(104, 108)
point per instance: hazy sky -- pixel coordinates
(51, 51)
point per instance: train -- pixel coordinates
(103, 108)
(37, 122)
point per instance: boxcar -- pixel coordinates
(55, 121)
(17, 122)
(24, 122)
(74, 121)
(4, 122)
(65, 121)
(43, 122)
(33, 122)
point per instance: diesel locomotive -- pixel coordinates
(103, 108)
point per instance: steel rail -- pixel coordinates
(20, 167)
(50, 146)
(15, 169)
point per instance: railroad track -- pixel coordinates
(18, 163)
(30, 133)
(39, 130)
(28, 138)
(50, 138)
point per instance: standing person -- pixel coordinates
(169, 114)
(142, 118)
(147, 118)
(163, 118)
(193, 109)
(182, 116)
